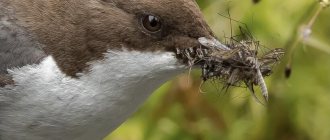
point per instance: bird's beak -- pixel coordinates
(205, 45)
(213, 43)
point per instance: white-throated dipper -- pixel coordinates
(76, 69)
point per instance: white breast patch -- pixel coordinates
(46, 104)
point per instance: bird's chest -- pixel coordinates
(47, 104)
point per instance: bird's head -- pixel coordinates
(76, 33)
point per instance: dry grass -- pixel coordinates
(236, 63)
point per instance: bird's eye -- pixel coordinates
(151, 23)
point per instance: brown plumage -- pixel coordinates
(79, 31)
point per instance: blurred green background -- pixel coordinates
(299, 107)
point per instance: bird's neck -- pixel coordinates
(52, 104)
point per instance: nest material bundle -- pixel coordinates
(234, 64)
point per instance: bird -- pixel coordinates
(77, 69)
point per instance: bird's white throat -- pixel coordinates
(49, 104)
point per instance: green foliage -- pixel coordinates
(299, 107)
